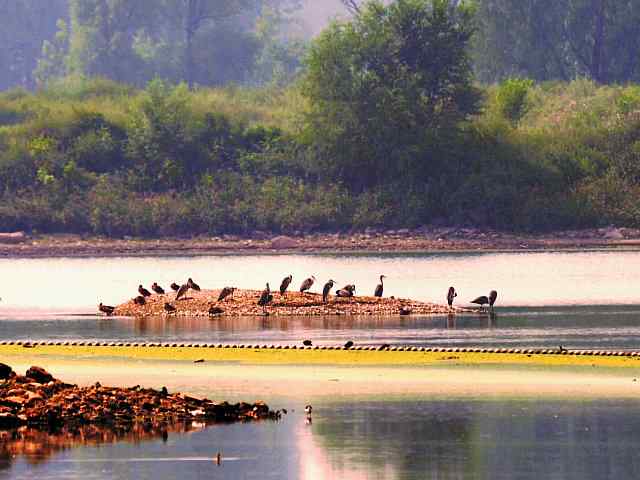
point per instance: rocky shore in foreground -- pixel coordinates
(37, 399)
(245, 303)
(427, 238)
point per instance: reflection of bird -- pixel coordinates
(139, 300)
(307, 343)
(265, 298)
(106, 309)
(175, 287)
(348, 345)
(182, 291)
(306, 285)
(226, 291)
(143, 291)
(193, 285)
(285, 284)
(327, 288)
(380, 287)
(451, 294)
(157, 288)
(169, 308)
(493, 295)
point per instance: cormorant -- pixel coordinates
(380, 287)
(175, 287)
(226, 291)
(157, 288)
(307, 343)
(348, 345)
(346, 291)
(306, 285)
(451, 294)
(327, 288)
(143, 291)
(285, 284)
(139, 300)
(493, 295)
(106, 309)
(182, 291)
(265, 298)
(215, 310)
(193, 285)
(169, 308)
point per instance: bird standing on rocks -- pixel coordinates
(286, 281)
(348, 345)
(175, 287)
(306, 285)
(193, 285)
(307, 343)
(106, 309)
(143, 291)
(215, 311)
(346, 291)
(327, 288)
(182, 291)
(451, 294)
(169, 308)
(226, 291)
(380, 287)
(157, 288)
(139, 300)
(265, 299)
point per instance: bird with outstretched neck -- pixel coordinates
(379, 288)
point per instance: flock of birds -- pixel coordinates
(267, 297)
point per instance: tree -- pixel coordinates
(387, 88)
(53, 61)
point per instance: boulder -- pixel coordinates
(283, 243)
(13, 237)
(614, 234)
(5, 371)
(39, 374)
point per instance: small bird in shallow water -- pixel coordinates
(175, 287)
(157, 288)
(348, 345)
(380, 287)
(143, 291)
(265, 299)
(285, 284)
(226, 291)
(193, 285)
(106, 309)
(306, 285)
(182, 291)
(139, 300)
(451, 294)
(169, 308)
(482, 300)
(327, 288)
(307, 343)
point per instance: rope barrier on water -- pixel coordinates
(513, 351)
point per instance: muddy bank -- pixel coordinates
(37, 399)
(373, 240)
(245, 303)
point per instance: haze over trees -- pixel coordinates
(167, 117)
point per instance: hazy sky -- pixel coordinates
(317, 13)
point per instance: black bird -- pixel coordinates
(106, 309)
(157, 288)
(139, 300)
(327, 288)
(384, 346)
(306, 285)
(215, 310)
(348, 345)
(265, 298)
(405, 311)
(380, 287)
(308, 409)
(285, 284)
(175, 287)
(193, 285)
(226, 291)
(562, 349)
(182, 291)
(346, 291)
(169, 308)
(307, 343)
(481, 300)
(451, 294)
(493, 295)
(143, 291)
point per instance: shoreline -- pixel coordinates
(390, 241)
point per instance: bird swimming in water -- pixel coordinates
(226, 291)
(327, 288)
(143, 291)
(193, 285)
(286, 281)
(307, 343)
(175, 287)
(157, 288)
(106, 309)
(139, 300)
(306, 285)
(451, 294)
(380, 287)
(346, 291)
(348, 345)
(265, 298)
(169, 308)
(182, 291)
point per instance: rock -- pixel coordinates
(9, 420)
(6, 371)
(614, 234)
(39, 374)
(283, 243)
(13, 238)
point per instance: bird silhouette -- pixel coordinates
(169, 308)
(348, 345)
(106, 309)
(143, 291)
(226, 291)
(193, 285)
(451, 294)
(175, 287)
(327, 288)
(307, 343)
(285, 284)
(380, 287)
(157, 288)
(182, 291)
(306, 285)
(265, 298)
(139, 300)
